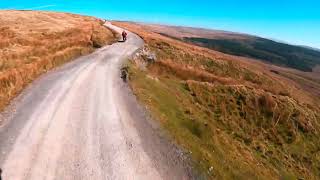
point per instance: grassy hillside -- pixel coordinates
(32, 43)
(235, 121)
(298, 57)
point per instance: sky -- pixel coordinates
(293, 21)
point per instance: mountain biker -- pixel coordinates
(124, 36)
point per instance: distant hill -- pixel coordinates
(312, 48)
(270, 51)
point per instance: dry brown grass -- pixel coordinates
(299, 90)
(307, 83)
(33, 42)
(187, 72)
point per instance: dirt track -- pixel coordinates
(82, 122)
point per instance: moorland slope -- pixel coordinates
(235, 117)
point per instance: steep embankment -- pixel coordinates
(238, 120)
(296, 64)
(32, 43)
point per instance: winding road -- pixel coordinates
(82, 122)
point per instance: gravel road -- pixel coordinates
(82, 122)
